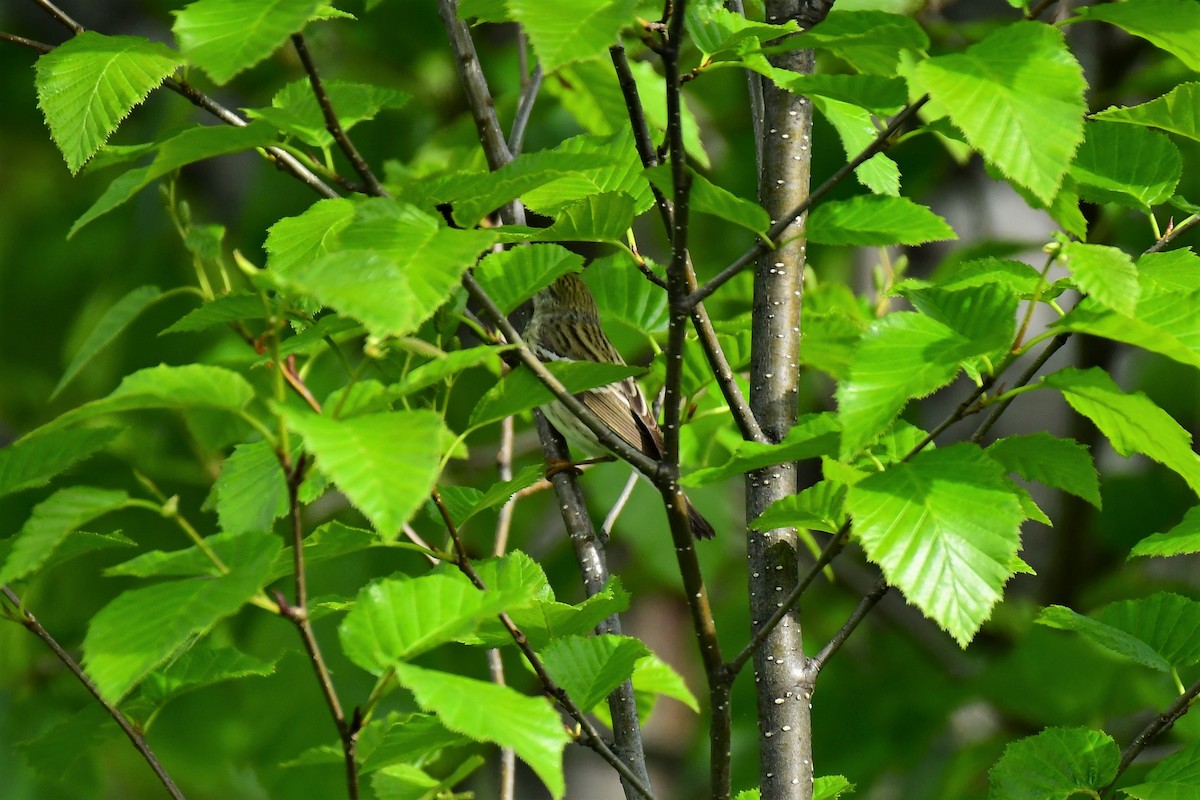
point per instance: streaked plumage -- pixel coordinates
(566, 326)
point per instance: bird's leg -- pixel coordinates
(555, 466)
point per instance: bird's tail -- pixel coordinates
(700, 526)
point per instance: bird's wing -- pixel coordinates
(623, 408)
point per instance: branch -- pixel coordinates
(593, 567)
(832, 548)
(529, 93)
(31, 624)
(590, 734)
(470, 74)
(776, 233)
(742, 416)
(298, 614)
(817, 662)
(332, 123)
(1026, 376)
(1172, 233)
(1157, 726)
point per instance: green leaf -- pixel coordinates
(521, 390)
(329, 541)
(491, 713)
(604, 217)
(396, 620)
(1172, 25)
(403, 782)
(708, 198)
(1056, 764)
(576, 31)
(715, 29)
(1062, 463)
(398, 266)
(500, 493)
(872, 220)
(202, 666)
(820, 507)
(1177, 111)
(1132, 166)
(251, 490)
(857, 130)
(294, 109)
(193, 144)
(620, 172)
(1132, 422)
(293, 242)
(440, 369)
(871, 41)
(386, 463)
(812, 436)
(408, 738)
(115, 320)
(218, 311)
(1020, 84)
(1171, 271)
(591, 667)
(831, 787)
(986, 314)
(1159, 631)
(190, 561)
(872, 93)
(53, 520)
(132, 635)
(34, 460)
(547, 619)
(1166, 322)
(901, 356)
(1176, 777)
(224, 37)
(624, 295)
(89, 84)
(1181, 539)
(1106, 274)
(190, 386)
(589, 91)
(944, 527)
(510, 277)
(654, 676)
(483, 193)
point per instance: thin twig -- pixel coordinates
(817, 662)
(504, 472)
(828, 553)
(1026, 376)
(1173, 234)
(31, 624)
(529, 92)
(470, 75)
(60, 16)
(508, 756)
(332, 123)
(298, 614)
(618, 505)
(743, 417)
(1157, 726)
(41, 47)
(781, 228)
(591, 735)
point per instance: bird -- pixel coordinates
(565, 326)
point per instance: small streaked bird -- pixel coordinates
(566, 327)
